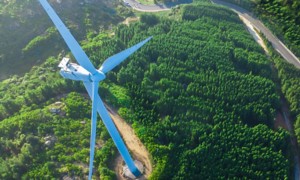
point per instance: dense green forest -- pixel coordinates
(200, 95)
(209, 113)
(284, 19)
(290, 81)
(289, 77)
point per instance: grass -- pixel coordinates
(146, 2)
(172, 14)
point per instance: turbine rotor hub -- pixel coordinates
(97, 77)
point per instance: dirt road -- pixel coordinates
(135, 146)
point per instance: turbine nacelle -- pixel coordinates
(78, 73)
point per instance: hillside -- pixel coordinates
(27, 33)
(204, 99)
(283, 18)
(200, 95)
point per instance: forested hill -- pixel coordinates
(203, 99)
(200, 95)
(284, 18)
(27, 34)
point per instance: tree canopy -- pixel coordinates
(200, 95)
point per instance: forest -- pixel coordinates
(186, 94)
(289, 79)
(201, 95)
(284, 19)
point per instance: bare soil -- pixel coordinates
(133, 143)
(129, 20)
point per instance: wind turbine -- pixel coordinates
(91, 77)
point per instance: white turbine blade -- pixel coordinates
(93, 127)
(116, 59)
(112, 130)
(75, 48)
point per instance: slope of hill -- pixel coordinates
(200, 95)
(282, 17)
(27, 34)
(204, 100)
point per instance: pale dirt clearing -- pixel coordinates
(133, 143)
(129, 20)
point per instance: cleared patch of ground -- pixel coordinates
(129, 20)
(133, 143)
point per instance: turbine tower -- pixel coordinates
(91, 77)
